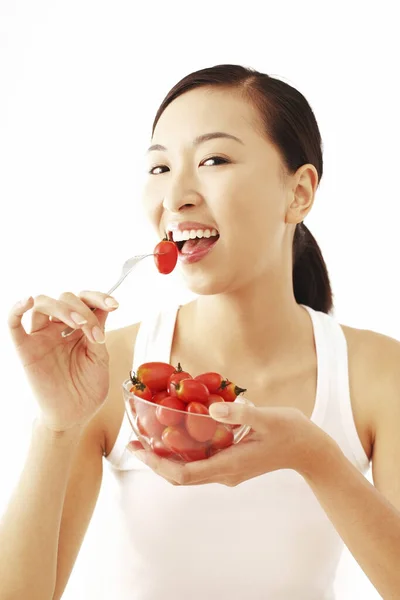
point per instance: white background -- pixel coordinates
(80, 82)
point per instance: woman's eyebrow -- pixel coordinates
(202, 138)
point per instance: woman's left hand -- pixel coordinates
(281, 438)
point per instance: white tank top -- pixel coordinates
(267, 538)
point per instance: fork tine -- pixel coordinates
(131, 262)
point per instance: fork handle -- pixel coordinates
(68, 331)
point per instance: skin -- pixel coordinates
(246, 304)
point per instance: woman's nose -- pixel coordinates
(179, 195)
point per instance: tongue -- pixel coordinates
(198, 244)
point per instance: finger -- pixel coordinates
(238, 413)
(82, 310)
(14, 321)
(99, 300)
(171, 471)
(54, 319)
(86, 302)
(45, 307)
(135, 445)
(94, 300)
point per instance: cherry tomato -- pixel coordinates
(148, 424)
(213, 398)
(199, 452)
(175, 378)
(155, 375)
(199, 427)
(222, 438)
(159, 448)
(190, 390)
(166, 256)
(179, 442)
(159, 396)
(229, 391)
(176, 439)
(141, 390)
(212, 381)
(170, 417)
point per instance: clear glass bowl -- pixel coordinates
(176, 434)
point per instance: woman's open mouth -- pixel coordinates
(195, 248)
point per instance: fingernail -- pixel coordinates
(111, 302)
(98, 335)
(219, 409)
(78, 319)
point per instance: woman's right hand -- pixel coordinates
(69, 376)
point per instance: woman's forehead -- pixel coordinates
(205, 110)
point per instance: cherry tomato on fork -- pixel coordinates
(166, 256)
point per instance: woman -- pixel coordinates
(239, 152)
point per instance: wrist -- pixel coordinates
(317, 453)
(72, 434)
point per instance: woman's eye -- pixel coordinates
(157, 167)
(218, 160)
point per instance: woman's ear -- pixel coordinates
(302, 193)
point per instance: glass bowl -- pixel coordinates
(177, 434)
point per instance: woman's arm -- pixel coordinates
(366, 521)
(366, 517)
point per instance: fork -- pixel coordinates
(127, 267)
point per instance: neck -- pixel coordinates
(259, 325)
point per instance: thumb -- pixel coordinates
(237, 413)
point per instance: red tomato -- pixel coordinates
(213, 398)
(170, 417)
(175, 378)
(159, 396)
(212, 381)
(176, 439)
(199, 427)
(159, 448)
(229, 391)
(190, 390)
(166, 256)
(179, 442)
(222, 438)
(199, 452)
(142, 391)
(148, 424)
(155, 375)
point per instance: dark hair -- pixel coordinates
(290, 124)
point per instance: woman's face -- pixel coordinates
(236, 186)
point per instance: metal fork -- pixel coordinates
(127, 267)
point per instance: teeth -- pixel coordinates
(180, 236)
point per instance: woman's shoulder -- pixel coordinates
(374, 377)
(120, 345)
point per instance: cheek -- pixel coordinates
(152, 203)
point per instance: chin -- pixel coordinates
(204, 284)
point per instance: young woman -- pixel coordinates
(239, 152)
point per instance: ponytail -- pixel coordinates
(311, 283)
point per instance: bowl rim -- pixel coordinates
(128, 394)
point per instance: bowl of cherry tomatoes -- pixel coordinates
(168, 410)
